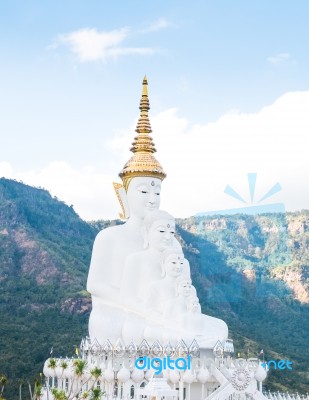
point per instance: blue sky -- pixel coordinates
(70, 84)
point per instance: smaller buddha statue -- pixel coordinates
(206, 330)
(177, 306)
(174, 309)
(145, 267)
(164, 289)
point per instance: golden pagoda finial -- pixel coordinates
(145, 84)
(143, 142)
(142, 163)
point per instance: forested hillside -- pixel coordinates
(251, 271)
(44, 255)
(257, 280)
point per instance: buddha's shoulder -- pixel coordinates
(110, 234)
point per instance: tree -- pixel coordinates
(3, 382)
(96, 394)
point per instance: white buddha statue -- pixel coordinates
(184, 319)
(177, 306)
(141, 270)
(204, 329)
(126, 263)
(142, 176)
(164, 289)
(114, 244)
(143, 292)
(145, 267)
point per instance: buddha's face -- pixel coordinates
(161, 234)
(173, 265)
(185, 289)
(143, 196)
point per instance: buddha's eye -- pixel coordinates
(161, 231)
(158, 194)
(172, 232)
(143, 189)
(174, 262)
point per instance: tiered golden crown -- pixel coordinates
(142, 163)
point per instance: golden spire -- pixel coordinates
(142, 163)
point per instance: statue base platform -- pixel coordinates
(152, 372)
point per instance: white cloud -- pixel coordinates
(90, 191)
(93, 45)
(280, 58)
(158, 25)
(200, 160)
(6, 169)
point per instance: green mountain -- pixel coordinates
(251, 271)
(45, 250)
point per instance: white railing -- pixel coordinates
(222, 393)
(285, 396)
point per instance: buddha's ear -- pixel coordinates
(145, 237)
(122, 198)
